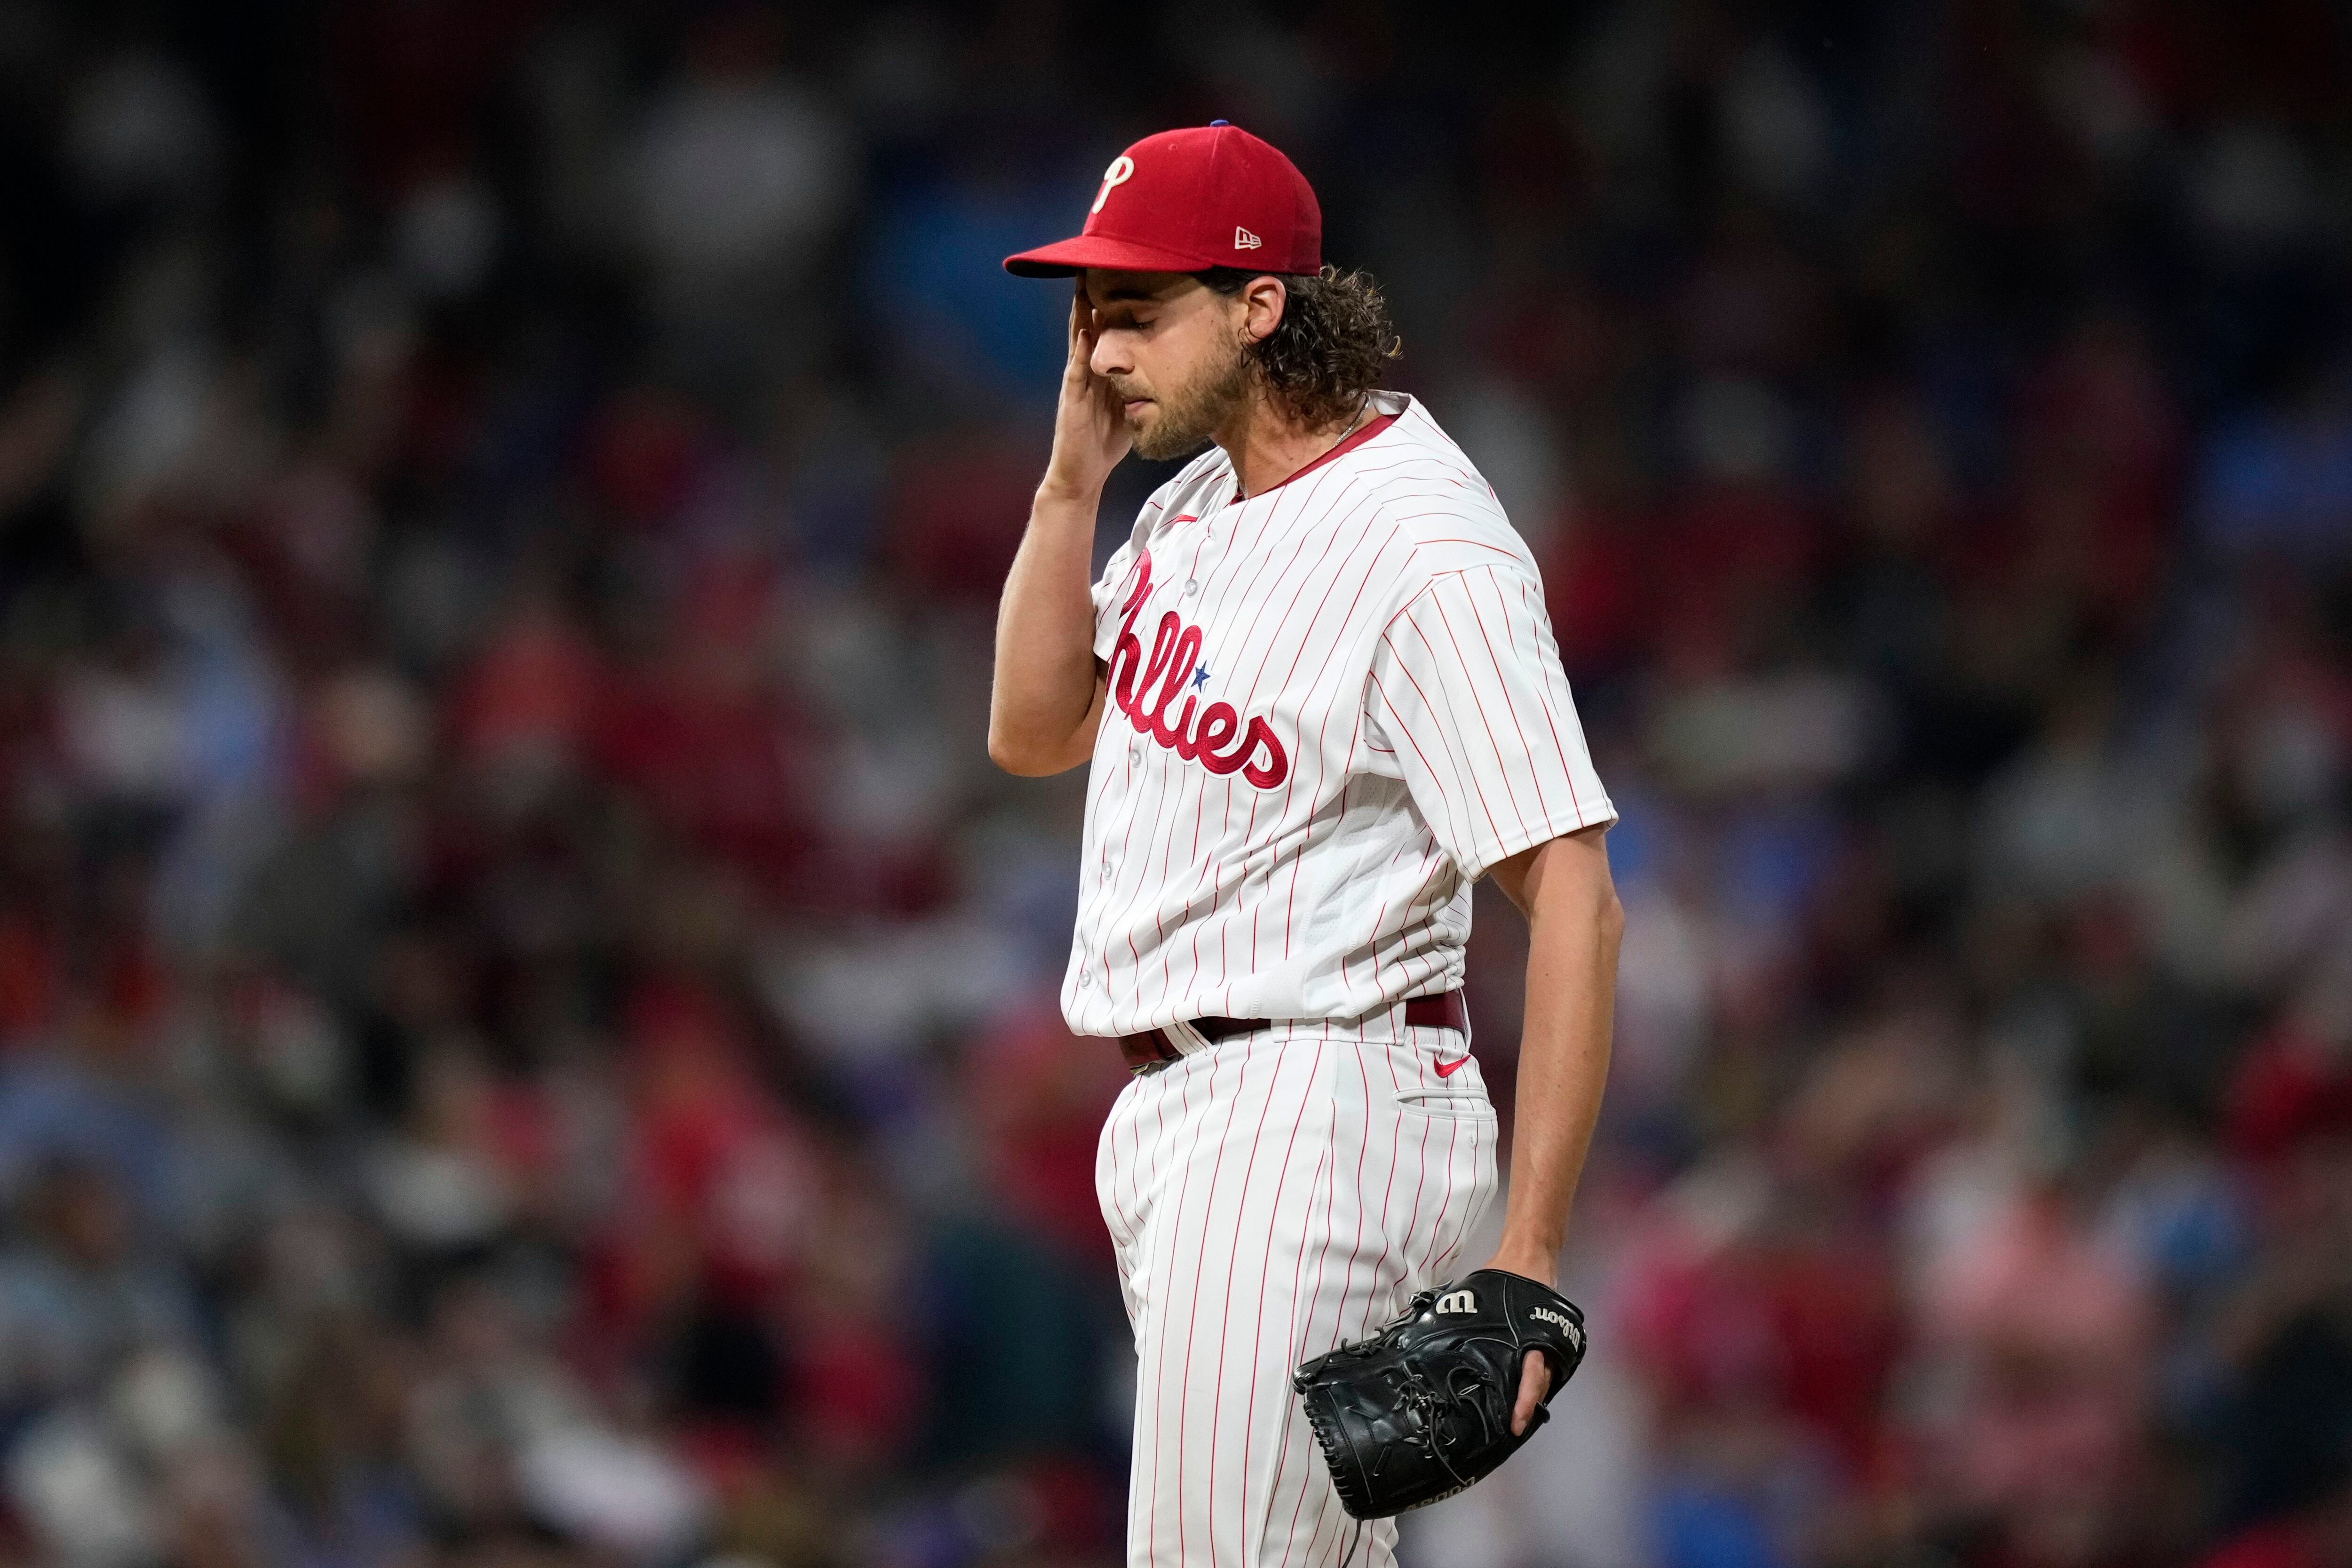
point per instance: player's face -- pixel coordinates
(1172, 349)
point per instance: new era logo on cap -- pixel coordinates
(1185, 201)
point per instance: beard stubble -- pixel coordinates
(1190, 415)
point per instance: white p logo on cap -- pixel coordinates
(1122, 170)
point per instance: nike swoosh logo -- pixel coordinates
(1445, 1069)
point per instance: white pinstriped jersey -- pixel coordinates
(1332, 707)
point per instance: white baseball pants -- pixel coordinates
(1271, 1197)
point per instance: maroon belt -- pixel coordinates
(1152, 1048)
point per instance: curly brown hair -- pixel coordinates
(1334, 340)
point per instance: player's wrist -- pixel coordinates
(1064, 491)
(1530, 1259)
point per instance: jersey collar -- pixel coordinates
(1380, 421)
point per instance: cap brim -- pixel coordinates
(1073, 255)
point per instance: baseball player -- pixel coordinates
(1320, 698)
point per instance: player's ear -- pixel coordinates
(1263, 301)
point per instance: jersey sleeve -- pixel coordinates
(1110, 592)
(1467, 697)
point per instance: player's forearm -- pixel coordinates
(1574, 923)
(1042, 709)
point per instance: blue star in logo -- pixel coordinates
(1200, 677)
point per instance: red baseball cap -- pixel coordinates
(1184, 201)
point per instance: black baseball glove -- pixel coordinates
(1423, 1409)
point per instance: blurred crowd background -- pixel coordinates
(527, 1028)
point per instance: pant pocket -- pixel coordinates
(1468, 1101)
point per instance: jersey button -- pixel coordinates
(1134, 756)
(1192, 587)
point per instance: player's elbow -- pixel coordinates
(1031, 744)
(1010, 755)
(1022, 756)
(1610, 917)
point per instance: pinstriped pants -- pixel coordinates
(1271, 1197)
